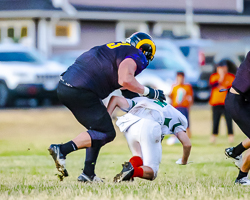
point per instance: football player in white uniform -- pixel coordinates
(144, 126)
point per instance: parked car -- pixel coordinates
(161, 72)
(206, 53)
(24, 73)
(67, 58)
(194, 74)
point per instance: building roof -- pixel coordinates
(10, 5)
(204, 6)
(156, 5)
(212, 11)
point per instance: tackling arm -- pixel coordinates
(128, 94)
(126, 79)
(184, 139)
(116, 101)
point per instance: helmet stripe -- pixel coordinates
(146, 41)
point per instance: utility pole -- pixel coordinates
(189, 18)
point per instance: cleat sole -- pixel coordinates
(59, 167)
(124, 175)
(232, 159)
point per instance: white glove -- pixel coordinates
(179, 162)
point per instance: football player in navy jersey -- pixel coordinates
(237, 103)
(94, 75)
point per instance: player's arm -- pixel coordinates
(126, 77)
(116, 101)
(186, 143)
(128, 94)
(127, 80)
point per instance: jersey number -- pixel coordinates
(162, 104)
(117, 44)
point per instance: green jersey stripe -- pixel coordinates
(174, 126)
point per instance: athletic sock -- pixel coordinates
(239, 149)
(91, 157)
(138, 172)
(242, 175)
(68, 148)
(136, 161)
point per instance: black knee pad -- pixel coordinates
(110, 136)
(100, 136)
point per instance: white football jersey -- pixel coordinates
(171, 120)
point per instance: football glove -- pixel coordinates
(156, 94)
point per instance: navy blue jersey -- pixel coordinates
(241, 82)
(97, 69)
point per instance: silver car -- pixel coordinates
(24, 73)
(161, 72)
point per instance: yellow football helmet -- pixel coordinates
(144, 42)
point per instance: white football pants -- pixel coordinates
(144, 140)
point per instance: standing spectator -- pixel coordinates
(220, 80)
(182, 97)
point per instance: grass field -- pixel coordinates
(28, 172)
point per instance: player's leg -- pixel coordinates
(83, 140)
(88, 174)
(229, 122)
(91, 113)
(243, 173)
(244, 165)
(132, 136)
(134, 168)
(216, 115)
(129, 168)
(100, 130)
(151, 149)
(148, 136)
(148, 173)
(246, 143)
(246, 162)
(239, 109)
(58, 152)
(141, 133)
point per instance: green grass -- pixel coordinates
(28, 172)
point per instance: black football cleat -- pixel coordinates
(126, 173)
(237, 160)
(89, 179)
(59, 159)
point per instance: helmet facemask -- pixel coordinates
(147, 51)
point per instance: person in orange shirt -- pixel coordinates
(182, 97)
(222, 79)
